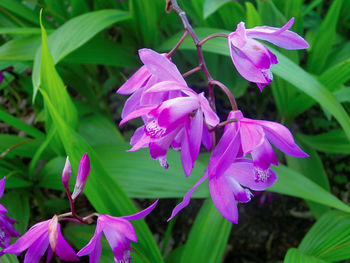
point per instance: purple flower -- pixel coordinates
(1, 77)
(67, 170)
(82, 176)
(119, 232)
(252, 59)
(40, 237)
(177, 121)
(157, 68)
(6, 224)
(229, 172)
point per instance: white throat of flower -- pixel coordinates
(154, 130)
(126, 257)
(261, 175)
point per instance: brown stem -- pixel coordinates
(222, 124)
(71, 202)
(178, 44)
(191, 71)
(196, 41)
(227, 92)
(212, 36)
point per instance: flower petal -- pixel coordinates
(93, 244)
(207, 138)
(185, 201)
(2, 186)
(37, 249)
(245, 173)
(160, 66)
(252, 135)
(223, 198)
(209, 115)
(132, 103)
(166, 86)
(281, 137)
(135, 82)
(264, 156)
(137, 113)
(118, 224)
(63, 249)
(142, 213)
(117, 241)
(281, 37)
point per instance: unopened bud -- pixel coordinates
(82, 176)
(67, 170)
(53, 234)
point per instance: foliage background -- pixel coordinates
(60, 100)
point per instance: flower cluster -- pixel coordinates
(47, 236)
(176, 116)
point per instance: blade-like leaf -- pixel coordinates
(210, 6)
(295, 256)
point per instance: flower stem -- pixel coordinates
(178, 44)
(227, 92)
(222, 124)
(191, 71)
(71, 202)
(212, 36)
(175, 7)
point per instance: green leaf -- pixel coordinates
(210, 6)
(75, 33)
(103, 51)
(20, 125)
(53, 85)
(253, 17)
(211, 230)
(293, 183)
(21, 10)
(9, 258)
(324, 39)
(20, 30)
(329, 238)
(334, 141)
(20, 49)
(295, 256)
(285, 69)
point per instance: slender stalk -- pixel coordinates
(175, 7)
(191, 71)
(222, 124)
(178, 44)
(71, 202)
(227, 92)
(212, 36)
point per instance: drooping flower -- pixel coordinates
(228, 172)
(40, 237)
(251, 58)
(6, 223)
(119, 232)
(177, 121)
(82, 176)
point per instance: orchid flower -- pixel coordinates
(82, 176)
(157, 68)
(251, 58)
(177, 121)
(229, 173)
(6, 223)
(119, 232)
(40, 237)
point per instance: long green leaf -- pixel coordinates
(210, 6)
(295, 256)
(21, 10)
(329, 238)
(20, 49)
(75, 33)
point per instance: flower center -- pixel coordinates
(2, 235)
(154, 130)
(261, 175)
(126, 258)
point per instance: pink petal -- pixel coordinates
(2, 186)
(63, 249)
(160, 66)
(93, 243)
(137, 113)
(279, 36)
(238, 38)
(246, 174)
(3, 209)
(282, 138)
(207, 138)
(118, 225)
(191, 142)
(252, 136)
(241, 195)
(209, 115)
(167, 86)
(225, 152)
(117, 241)
(37, 249)
(141, 214)
(159, 148)
(264, 156)
(135, 82)
(185, 201)
(223, 198)
(132, 103)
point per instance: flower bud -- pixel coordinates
(83, 173)
(67, 170)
